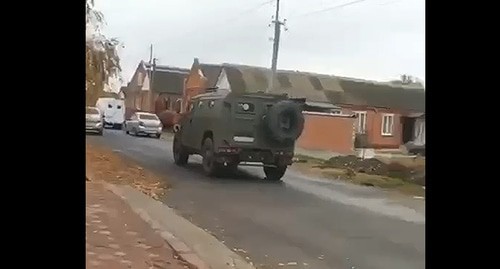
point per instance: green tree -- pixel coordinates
(101, 56)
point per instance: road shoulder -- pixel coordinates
(191, 243)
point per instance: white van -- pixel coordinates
(113, 111)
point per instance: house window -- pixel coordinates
(167, 103)
(178, 106)
(360, 122)
(387, 124)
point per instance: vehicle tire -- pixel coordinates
(210, 166)
(274, 173)
(285, 122)
(134, 132)
(158, 136)
(180, 154)
(127, 132)
(100, 132)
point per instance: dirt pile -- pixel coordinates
(377, 167)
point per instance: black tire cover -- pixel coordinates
(285, 121)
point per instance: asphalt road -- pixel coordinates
(302, 222)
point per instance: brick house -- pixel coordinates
(388, 115)
(163, 94)
(326, 127)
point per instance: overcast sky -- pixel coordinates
(370, 39)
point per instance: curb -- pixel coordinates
(180, 249)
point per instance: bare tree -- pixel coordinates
(101, 57)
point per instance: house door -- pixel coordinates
(408, 129)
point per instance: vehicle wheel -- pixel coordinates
(127, 132)
(210, 166)
(285, 121)
(134, 132)
(274, 173)
(158, 136)
(100, 132)
(180, 155)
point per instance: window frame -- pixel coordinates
(389, 132)
(358, 113)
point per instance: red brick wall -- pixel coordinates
(374, 127)
(327, 133)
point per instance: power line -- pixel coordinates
(390, 2)
(248, 11)
(237, 17)
(330, 8)
(256, 7)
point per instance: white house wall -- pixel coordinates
(145, 84)
(419, 132)
(223, 82)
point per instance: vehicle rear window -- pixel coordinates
(91, 110)
(148, 117)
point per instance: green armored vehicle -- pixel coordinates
(231, 129)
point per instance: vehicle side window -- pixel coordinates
(110, 106)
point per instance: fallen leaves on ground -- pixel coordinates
(102, 164)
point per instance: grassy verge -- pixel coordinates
(314, 166)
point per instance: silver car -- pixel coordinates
(142, 123)
(93, 120)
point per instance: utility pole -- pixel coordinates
(150, 71)
(153, 73)
(151, 62)
(150, 53)
(276, 44)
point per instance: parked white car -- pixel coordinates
(142, 123)
(113, 112)
(93, 120)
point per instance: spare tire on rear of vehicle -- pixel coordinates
(285, 121)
